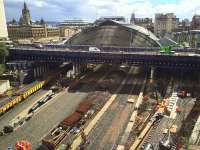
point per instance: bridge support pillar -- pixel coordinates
(75, 69)
(43, 69)
(79, 68)
(83, 67)
(36, 72)
(40, 70)
(152, 74)
(46, 67)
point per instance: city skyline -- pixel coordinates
(92, 9)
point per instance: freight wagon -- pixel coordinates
(22, 96)
(57, 134)
(63, 130)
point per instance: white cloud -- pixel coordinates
(52, 9)
(144, 8)
(40, 3)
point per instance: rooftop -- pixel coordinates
(74, 21)
(114, 33)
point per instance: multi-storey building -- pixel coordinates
(72, 26)
(3, 27)
(144, 22)
(165, 24)
(184, 25)
(33, 32)
(195, 24)
(190, 38)
(25, 29)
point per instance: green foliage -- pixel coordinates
(3, 53)
(2, 68)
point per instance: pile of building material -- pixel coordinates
(69, 127)
(194, 138)
(84, 107)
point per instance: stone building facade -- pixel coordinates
(165, 24)
(25, 29)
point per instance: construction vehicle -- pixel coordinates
(167, 49)
(8, 129)
(23, 145)
(182, 94)
(148, 146)
(168, 142)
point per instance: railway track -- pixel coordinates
(117, 76)
(109, 130)
(154, 132)
(93, 81)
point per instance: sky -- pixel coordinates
(58, 10)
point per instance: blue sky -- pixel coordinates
(58, 10)
(158, 2)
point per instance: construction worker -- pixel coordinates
(23, 145)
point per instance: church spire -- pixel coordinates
(25, 6)
(26, 15)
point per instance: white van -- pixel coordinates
(94, 49)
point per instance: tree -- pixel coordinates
(3, 53)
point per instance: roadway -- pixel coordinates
(4, 119)
(178, 59)
(43, 121)
(138, 52)
(46, 118)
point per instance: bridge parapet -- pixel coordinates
(109, 48)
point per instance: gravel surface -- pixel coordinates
(108, 131)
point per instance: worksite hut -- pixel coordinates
(71, 120)
(84, 107)
(4, 86)
(113, 33)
